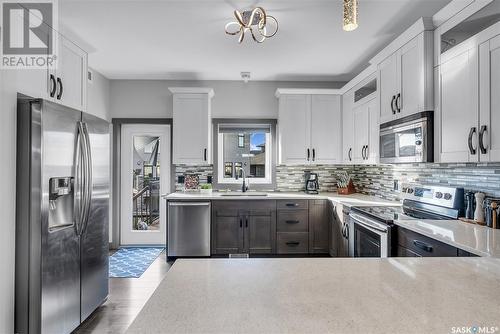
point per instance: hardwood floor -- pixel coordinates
(126, 298)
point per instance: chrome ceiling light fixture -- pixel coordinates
(350, 15)
(256, 21)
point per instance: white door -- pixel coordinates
(191, 129)
(361, 131)
(325, 129)
(347, 127)
(411, 76)
(145, 176)
(295, 129)
(489, 100)
(459, 108)
(389, 87)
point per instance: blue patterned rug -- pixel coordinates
(132, 261)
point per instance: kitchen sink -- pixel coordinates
(241, 194)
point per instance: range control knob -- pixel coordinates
(410, 191)
(447, 196)
(439, 195)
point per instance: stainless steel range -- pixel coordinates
(371, 229)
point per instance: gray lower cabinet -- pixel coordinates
(243, 227)
(319, 227)
(293, 242)
(413, 244)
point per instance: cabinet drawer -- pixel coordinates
(405, 252)
(424, 246)
(293, 221)
(293, 242)
(292, 204)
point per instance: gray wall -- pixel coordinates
(233, 99)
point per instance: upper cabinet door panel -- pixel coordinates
(389, 87)
(489, 88)
(361, 132)
(325, 129)
(459, 108)
(191, 120)
(347, 127)
(412, 84)
(72, 75)
(295, 129)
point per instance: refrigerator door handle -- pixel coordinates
(88, 178)
(78, 184)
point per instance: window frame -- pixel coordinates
(267, 183)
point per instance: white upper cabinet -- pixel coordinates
(68, 82)
(326, 133)
(192, 132)
(469, 103)
(294, 129)
(366, 133)
(489, 100)
(459, 108)
(406, 79)
(309, 128)
(347, 127)
(388, 86)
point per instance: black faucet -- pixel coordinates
(244, 186)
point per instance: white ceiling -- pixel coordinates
(185, 39)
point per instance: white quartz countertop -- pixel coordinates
(324, 295)
(347, 200)
(476, 239)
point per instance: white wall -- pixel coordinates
(98, 94)
(233, 99)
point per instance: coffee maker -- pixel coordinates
(312, 185)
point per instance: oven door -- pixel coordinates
(368, 238)
(404, 143)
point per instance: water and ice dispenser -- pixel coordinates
(61, 199)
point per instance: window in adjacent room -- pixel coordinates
(247, 147)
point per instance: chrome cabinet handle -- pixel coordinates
(472, 150)
(308, 154)
(350, 154)
(482, 148)
(367, 152)
(314, 154)
(205, 154)
(392, 105)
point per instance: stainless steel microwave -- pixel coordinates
(407, 140)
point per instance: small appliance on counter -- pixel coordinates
(312, 184)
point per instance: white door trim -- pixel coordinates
(127, 235)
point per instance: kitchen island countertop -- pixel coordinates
(324, 295)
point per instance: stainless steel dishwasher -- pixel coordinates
(188, 231)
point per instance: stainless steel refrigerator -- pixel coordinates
(62, 217)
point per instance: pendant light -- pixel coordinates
(350, 15)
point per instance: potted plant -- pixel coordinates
(345, 185)
(206, 188)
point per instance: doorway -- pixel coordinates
(145, 176)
